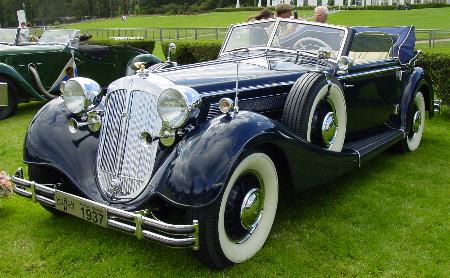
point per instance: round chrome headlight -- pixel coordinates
(176, 105)
(79, 93)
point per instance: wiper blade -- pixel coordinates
(237, 50)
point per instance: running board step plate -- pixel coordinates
(368, 148)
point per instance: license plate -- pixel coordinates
(81, 208)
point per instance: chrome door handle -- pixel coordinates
(348, 85)
(38, 63)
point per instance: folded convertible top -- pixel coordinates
(404, 39)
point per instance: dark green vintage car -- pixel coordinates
(34, 72)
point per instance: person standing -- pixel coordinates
(264, 14)
(321, 14)
(24, 33)
(284, 10)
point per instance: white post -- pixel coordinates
(299, 3)
(325, 3)
(237, 4)
(390, 2)
(313, 3)
(259, 3)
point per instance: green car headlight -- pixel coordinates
(178, 104)
(79, 93)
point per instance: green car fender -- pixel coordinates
(22, 85)
(148, 59)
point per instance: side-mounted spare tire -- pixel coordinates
(315, 109)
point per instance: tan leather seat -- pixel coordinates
(361, 57)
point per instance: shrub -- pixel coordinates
(436, 63)
(147, 45)
(189, 52)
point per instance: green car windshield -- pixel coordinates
(58, 36)
(8, 36)
(288, 35)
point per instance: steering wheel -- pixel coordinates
(310, 43)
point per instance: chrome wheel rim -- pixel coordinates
(417, 121)
(244, 208)
(324, 124)
(251, 209)
(329, 128)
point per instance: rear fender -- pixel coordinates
(22, 85)
(417, 81)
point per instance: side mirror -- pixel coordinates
(172, 49)
(344, 63)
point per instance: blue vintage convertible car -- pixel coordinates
(196, 155)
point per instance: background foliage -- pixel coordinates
(44, 12)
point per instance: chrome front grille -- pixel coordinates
(124, 161)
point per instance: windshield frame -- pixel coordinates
(272, 36)
(72, 36)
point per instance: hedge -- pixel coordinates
(189, 52)
(435, 61)
(147, 45)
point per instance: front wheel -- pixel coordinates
(236, 226)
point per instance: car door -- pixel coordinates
(371, 85)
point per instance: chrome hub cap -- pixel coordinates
(251, 209)
(329, 128)
(417, 121)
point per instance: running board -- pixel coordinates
(368, 148)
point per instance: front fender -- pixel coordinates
(415, 80)
(199, 167)
(9, 72)
(49, 142)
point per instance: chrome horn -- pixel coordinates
(74, 126)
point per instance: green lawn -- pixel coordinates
(388, 219)
(421, 18)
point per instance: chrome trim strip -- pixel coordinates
(359, 158)
(368, 73)
(249, 88)
(125, 221)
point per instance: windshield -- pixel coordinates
(57, 37)
(8, 36)
(249, 36)
(293, 36)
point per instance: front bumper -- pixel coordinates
(129, 222)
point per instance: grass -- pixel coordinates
(421, 18)
(388, 219)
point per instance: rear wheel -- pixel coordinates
(44, 175)
(416, 124)
(6, 111)
(236, 226)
